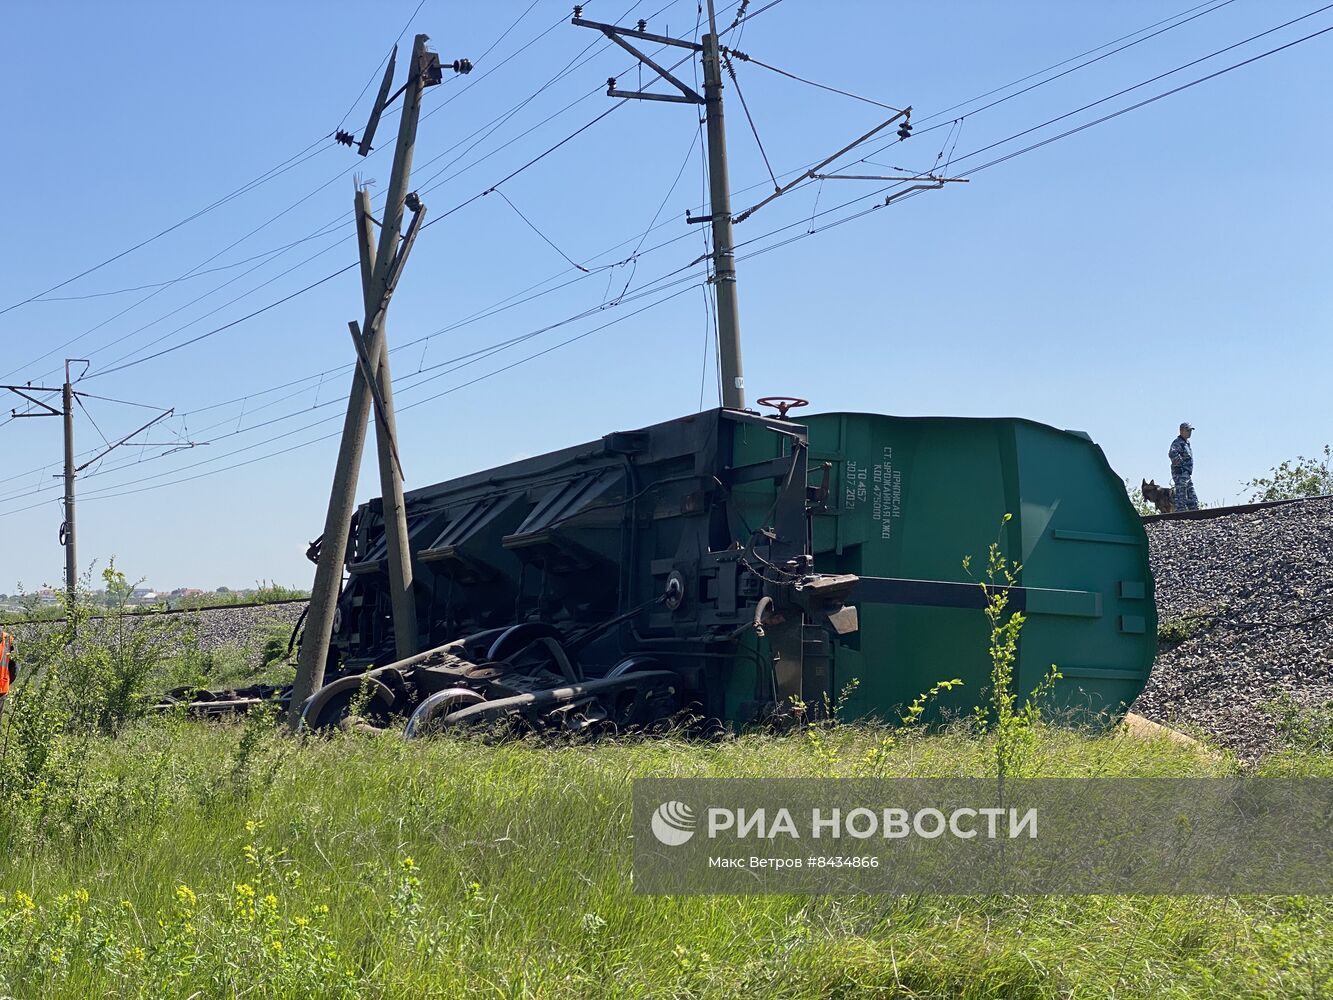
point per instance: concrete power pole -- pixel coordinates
(68, 396)
(67, 529)
(724, 253)
(724, 247)
(399, 552)
(370, 384)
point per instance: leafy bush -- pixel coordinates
(1304, 477)
(90, 678)
(1306, 729)
(97, 670)
(1174, 631)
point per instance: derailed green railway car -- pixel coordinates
(734, 567)
(911, 497)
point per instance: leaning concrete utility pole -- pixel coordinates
(386, 437)
(367, 382)
(724, 252)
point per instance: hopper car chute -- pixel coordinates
(733, 566)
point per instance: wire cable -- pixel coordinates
(438, 218)
(225, 326)
(375, 73)
(244, 188)
(751, 59)
(1211, 5)
(731, 71)
(1125, 111)
(546, 239)
(1144, 83)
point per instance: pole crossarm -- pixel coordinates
(934, 185)
(381, 102)
(23, 390)
(647, 36)
(687, 95)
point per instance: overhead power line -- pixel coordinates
(1153, 79)
(249, 185)
(225, 326)
(1211, 5)
(743, 57)
(257, 312)
(116, 367)
(336, 223)
(1105, 118)
(110, 492)
(838, 222)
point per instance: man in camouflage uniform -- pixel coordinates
(1182, 470)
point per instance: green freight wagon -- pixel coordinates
(910, 497)
(732, 566)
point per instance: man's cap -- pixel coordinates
(1187, 426)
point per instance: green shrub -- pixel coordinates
(1292, 480)
(1174, 631)
(1306, 729)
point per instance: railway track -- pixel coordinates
(148, 612)
(1207, 513)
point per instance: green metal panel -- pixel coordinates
(910, 497)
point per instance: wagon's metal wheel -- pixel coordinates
(432, 715)
(632, 663)
(328, 706)
(517, 637)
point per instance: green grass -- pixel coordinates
(454, 868)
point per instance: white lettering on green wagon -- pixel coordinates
(886, 504)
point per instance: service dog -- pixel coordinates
(1158, 496)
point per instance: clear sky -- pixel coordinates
(1168, 265)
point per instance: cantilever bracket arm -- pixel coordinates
(109, 449)
(813, 172)
(932, 178)
(687, 95)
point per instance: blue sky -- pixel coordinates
(1170, 264)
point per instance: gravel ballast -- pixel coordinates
(213, 628)
(1251, 595)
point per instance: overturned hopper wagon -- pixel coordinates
(741, 568)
